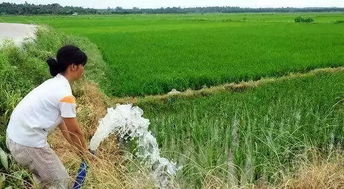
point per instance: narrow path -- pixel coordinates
(17, 32)
(234, 87)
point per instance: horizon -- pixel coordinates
(155, 4)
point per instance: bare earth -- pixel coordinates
(17, 32)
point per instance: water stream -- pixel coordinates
(127, 122)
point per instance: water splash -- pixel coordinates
(127, 122)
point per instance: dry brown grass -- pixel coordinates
(320, 172)
(312, 170)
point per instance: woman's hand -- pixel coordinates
(73, 134)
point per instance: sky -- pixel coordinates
(187, 3)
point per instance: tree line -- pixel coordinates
(31, 9)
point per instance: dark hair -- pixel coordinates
(66, 56)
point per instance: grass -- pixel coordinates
(244, 137)
(321, 172)
(152, 54)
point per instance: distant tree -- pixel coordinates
(26, 8)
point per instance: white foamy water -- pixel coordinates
(127, 122)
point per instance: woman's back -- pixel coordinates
(40, 112)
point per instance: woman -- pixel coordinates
(49, 105)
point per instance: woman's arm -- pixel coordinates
(71, 131)
(65, 131)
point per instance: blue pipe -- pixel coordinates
(80, 178)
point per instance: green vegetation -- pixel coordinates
(240, 137)
(150, 54)
(305, 20)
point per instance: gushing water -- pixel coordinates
(127, 122)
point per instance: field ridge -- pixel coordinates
(232, 86)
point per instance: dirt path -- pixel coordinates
(17, 32)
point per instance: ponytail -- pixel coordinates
(53, 66)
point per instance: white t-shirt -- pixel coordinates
(41, 111)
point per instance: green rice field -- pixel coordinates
(256, 134)
(152, 54)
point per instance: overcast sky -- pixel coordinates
(187, 3)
